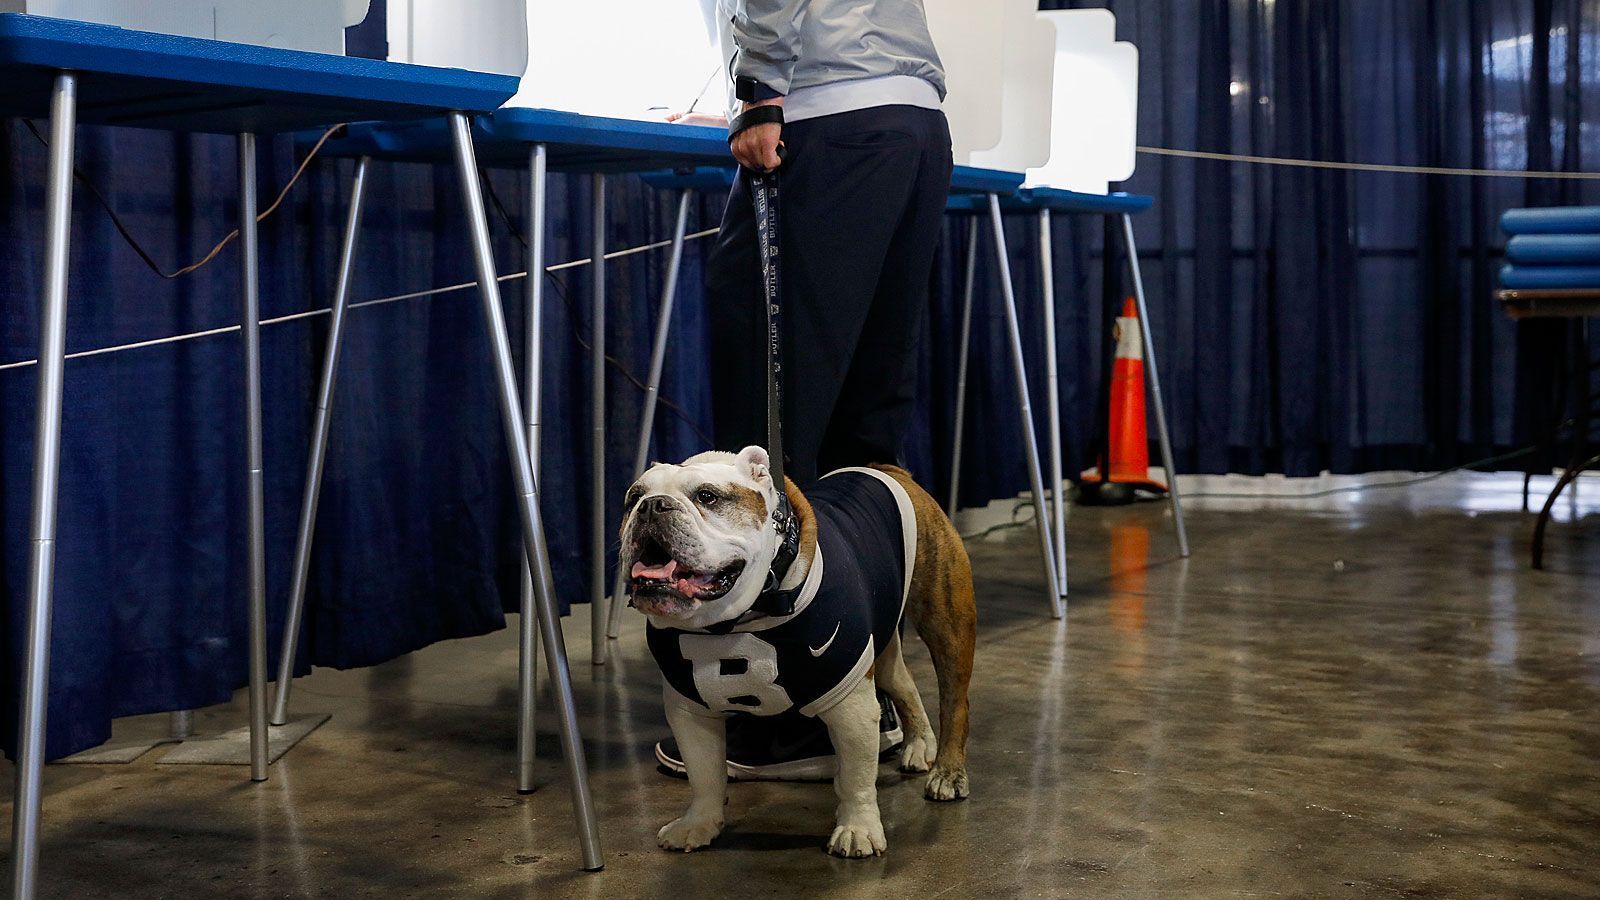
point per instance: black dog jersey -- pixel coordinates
(848, 609)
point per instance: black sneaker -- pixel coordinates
(787, 747)
(890, 735)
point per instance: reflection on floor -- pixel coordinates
(1367, 693)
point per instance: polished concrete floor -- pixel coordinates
(1365, 694)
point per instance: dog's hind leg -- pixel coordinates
(894, 679)
(941, 607)
(949, 627)
(952, 660)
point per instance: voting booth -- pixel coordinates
(997, 59)
(576, 113)
(1066, 99)
(660, 57)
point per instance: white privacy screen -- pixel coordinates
(1025, 103)
(970, 37)
(312, 25)
(1094, 129)
(481, 35)
(637, 59)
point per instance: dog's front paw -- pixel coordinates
(917, 753)
(688, 834)
(947, 784)
(858, 838)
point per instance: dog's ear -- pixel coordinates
(753, 461)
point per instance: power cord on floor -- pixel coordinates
(1311, 495)
(1358, 488)
(1014, 523)
(122, 229)
(560, 286)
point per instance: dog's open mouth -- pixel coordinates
(661, 584)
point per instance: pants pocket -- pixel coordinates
(876, 139)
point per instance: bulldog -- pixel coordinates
(761, 601)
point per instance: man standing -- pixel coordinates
(852, 90)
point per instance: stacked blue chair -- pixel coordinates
(1552, 249)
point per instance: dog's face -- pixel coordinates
(698, 538)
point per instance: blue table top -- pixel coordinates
(1057, 200)
(574, 142)
(973, 180)
(145, 80)
(713, 179)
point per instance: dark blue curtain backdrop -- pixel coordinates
(1307, 320)
(1316, 320)
(417, 538)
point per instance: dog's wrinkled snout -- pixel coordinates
(659, 505)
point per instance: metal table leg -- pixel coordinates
(1030, 441)
(528, 493)
(958, 438)
(1058, 502)
(1163, 436)
(46, 482)
(250, 325)
(527, 627)
(1582, 400)
(319, 449)
(652, 391)
(597, 446)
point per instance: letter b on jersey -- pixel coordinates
(735, 673)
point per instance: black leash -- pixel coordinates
(764, 196)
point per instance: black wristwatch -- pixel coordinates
(750, 90)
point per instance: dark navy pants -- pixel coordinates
(862, 204)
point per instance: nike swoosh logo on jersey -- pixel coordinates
(818, 651)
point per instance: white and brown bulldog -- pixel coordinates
(761, 603)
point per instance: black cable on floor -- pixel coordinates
(1312, 495)
(1357, 488)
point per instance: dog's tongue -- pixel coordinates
(655, 573)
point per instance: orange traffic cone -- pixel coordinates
(1128, 444)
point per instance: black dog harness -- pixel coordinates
(843, 615)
